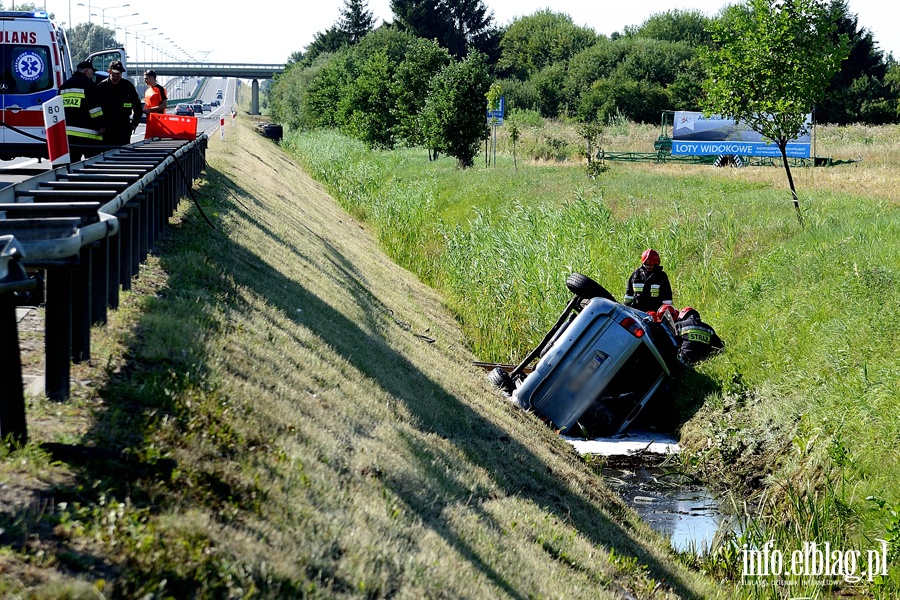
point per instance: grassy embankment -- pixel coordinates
(282, 412)
(802, 408)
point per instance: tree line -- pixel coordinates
(401, 81)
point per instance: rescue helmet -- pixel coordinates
(667, 309)
(686, 311)
(650, 257)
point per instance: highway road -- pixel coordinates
(16, 170)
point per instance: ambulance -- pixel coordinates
(35, 61)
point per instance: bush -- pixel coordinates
(454, 113)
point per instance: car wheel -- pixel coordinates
(502, 380)
(585, 287)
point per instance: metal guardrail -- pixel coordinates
(84, 229)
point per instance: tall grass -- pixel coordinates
(807, 313)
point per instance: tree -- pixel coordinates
(85, 38)
(537, 41)
(330, 40)
(356, 20)
(424, 59)
(637, 100)
(858, 92)
(770, 63)
(365, 108)
(632, 76)
(368, 104)
(457, 25)
(454, 114)
(690, 26)
(355, 23)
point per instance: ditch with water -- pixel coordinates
(675, 504)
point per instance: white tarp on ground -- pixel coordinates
(626, 444)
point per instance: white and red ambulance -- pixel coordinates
(34, 61)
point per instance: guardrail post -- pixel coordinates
(12, 408)
(13, 278)
(134, 216)
(144, 229)
(81, 308)
(58, 333)
(169, 187)
(99, 280)
(114, 268)
(152, 216)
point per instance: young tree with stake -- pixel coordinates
(770, 62)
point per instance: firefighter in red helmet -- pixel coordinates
(648, 286)
(698, 340)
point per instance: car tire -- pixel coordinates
(502, 380)
(585, 287)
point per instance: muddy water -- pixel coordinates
(675, 504)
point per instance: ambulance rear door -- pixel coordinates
(29, 77)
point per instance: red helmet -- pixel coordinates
(650, 257)
(686, 311)
(667, 309)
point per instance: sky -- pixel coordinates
(228, 32)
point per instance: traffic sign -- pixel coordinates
(495, 117)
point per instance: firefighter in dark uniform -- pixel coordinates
(85, 123)
(648, 287)
(121, 106)
(698, 340)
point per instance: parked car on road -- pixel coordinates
(215, 103)
(198, 108)
(207, 107)
(184, 110)
(598, 366)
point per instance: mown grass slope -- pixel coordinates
(800, 413)
(281, 411)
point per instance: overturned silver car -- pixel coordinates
(598, 366)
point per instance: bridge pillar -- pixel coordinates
(254, 98)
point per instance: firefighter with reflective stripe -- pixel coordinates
(121, 106)
(648, 287)
(85, 122)
(698, 340)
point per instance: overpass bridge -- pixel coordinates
(252, 71)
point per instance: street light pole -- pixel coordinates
(136, 56)
(102, 20)
(115, 21)
(125, 33)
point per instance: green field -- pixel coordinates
(800, 413)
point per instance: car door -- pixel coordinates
(27, 82)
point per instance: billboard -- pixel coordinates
(696, 135)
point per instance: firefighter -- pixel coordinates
(122, 105)
(648, 286)
(698, 340)
(85, 122)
